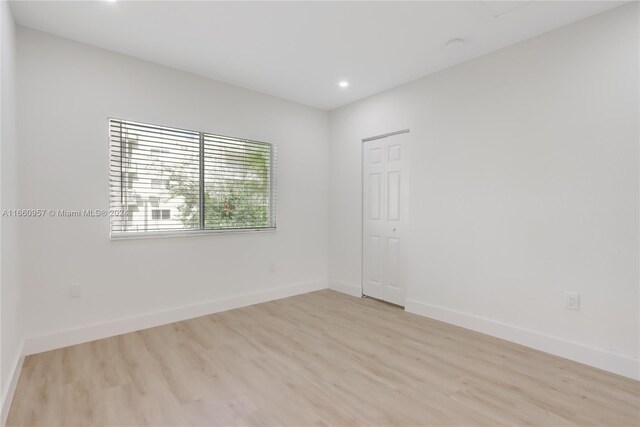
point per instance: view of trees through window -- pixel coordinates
(171, 179)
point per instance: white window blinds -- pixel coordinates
(170, 180)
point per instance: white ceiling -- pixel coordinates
(300, 50)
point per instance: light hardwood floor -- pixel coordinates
(320, 359)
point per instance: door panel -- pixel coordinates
(373, 262)
(374, 200)
(384, 214)
(393, 253)
(394, 152)
(375, 155)
(393, 199)
(373, 204)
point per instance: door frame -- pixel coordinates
(405, 218)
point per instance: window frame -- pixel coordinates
(123, 235)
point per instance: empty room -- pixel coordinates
(319, 213)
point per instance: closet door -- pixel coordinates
(384, 206)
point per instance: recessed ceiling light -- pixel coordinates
(343, 83)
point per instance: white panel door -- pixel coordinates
(384, 215)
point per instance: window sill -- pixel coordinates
(184, 233)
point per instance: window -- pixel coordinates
(156, 154)
(159, 184)
(157, 214)
(178, 181)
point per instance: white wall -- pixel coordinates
(67, 92)
(10, 334)
(524, 185)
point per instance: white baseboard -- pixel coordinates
(608, 361)
(97, 331)
(346, 288)
(7, 394)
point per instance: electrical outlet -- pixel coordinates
(572, 301)
(75, 291)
